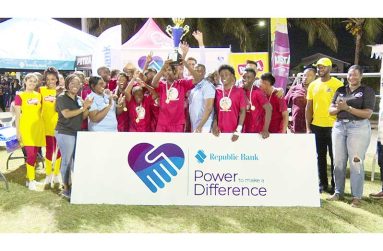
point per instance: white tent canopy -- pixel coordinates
(36, 43)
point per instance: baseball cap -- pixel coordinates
(324, 62)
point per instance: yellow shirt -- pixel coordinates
(321, 93)
(49, 114)
(31, 123)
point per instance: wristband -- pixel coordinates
(239, 129)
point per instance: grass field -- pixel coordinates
(25, 211)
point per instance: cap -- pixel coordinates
(324, 62)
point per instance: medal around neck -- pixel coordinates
(225, 103)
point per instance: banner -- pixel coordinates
(280, 57)
(109, 40)
(195, 169)
(238, 61)
(212, 58)
(84, 62)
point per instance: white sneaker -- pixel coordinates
(57, 179)
(32, 185)
(48, 179)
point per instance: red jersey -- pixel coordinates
(139, 116)
(228, 120)
(255, 118)
(279, 106)
(172, 110)
(112, 84)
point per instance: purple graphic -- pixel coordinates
(281, 59)
(156, 62)
(153, 165)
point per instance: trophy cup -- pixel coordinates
(176, 32)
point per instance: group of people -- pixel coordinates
(181, 98)
(8, 88)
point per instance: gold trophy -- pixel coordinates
(176, 32)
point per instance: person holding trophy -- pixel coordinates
(172, 91)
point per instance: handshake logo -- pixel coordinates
(156, 165)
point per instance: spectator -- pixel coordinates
(201, 103)
(102, 113)
(72, 110)
(296, 99)
(353, 105)
(320, 121)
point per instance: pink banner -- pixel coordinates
(281, 59)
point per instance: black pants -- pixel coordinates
(380, 161)
(2, 103)
(323, 142)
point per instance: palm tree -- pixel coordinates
(318, 28)
(365, 31)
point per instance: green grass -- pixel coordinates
(25, 211)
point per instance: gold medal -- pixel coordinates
(252, 108)
(137, 120)
(125, 109)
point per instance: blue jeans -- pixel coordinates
(67, 146)
(350, 142)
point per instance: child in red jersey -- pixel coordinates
(139, 105)
(230, 104)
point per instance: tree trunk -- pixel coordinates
(358, 44)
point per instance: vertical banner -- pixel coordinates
(238, 61)
(108, 41)
(280, 57)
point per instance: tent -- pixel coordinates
(149, 36)
(36, 43)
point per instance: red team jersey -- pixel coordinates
(228, 120)
(279, 106)
(173, 113)
(255, 119)
(143, 124)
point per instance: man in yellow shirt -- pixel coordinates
(318, 119)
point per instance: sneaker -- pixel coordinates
(66, 194)
(32, 185)
(334, 197)
(377, 195)
(56, 181)
(356, 202)
(47, 182)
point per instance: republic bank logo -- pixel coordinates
(200, 156)
(155, 166)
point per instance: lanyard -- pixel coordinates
(223, 91)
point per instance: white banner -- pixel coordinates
(195, 169)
